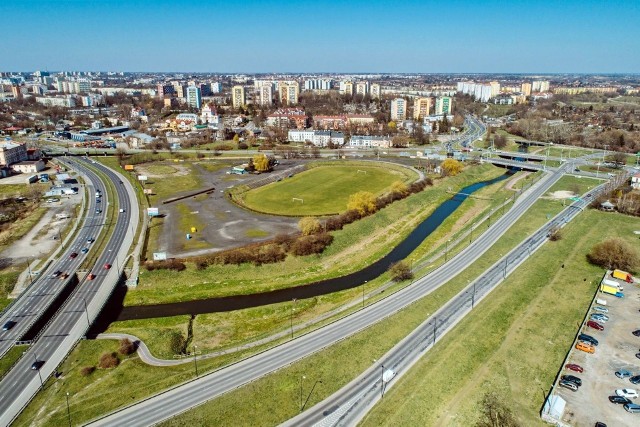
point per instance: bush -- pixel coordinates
(308, 245)
(201, 264)
(87, 370)
(364, 202)
(400, 271)
(284, 241)
(126, 347)
(170, 264)
(555, 234)
(177, 342)
(614, 253)
(309, 225)
(242, 146)
(108, 360)
(495, 412)
(269, 254)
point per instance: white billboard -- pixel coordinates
(142, 177)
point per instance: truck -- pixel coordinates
(613, 283)
(622, 275)
(611, 290)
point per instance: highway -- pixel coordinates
(71, 322)
(28, 308)
(198, 391)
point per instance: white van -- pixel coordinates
(601, 301)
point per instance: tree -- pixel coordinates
(236, 138)
(500, 141)
(177, 342)
(261, 163)
(400, 187)
(108, 360)
(400, 271)
(400, 141)
(614, 253)
(451, 167)
(126, 347)
(364, 202)
(309, 225)
(495, 413)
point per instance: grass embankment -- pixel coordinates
(515, 340)
(7, 361)
(322, 190)
(267, 401)
(353, 247)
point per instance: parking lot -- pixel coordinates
(616, 349)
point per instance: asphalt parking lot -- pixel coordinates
(616, 350)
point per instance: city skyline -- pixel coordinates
(301, 37)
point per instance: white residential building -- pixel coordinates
(319, 138)
(398, 109)
(367, 141)
(375, 91)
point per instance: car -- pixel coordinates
(631, 407)
(587, 348)
(568, 384)
(619, 400)
(600, 309)
(91, 276)
(8, 325)
(98, 211)
(635, 379)
(121, 210)
(577, 381)
(588, 338)
(599, 424)
(73, 255)
(84, 250)
(627, 392)
(623, 373)
(98, 200)
(91, 240)
(599, 317)
(636, 333)
(56, 273)
(595, 325)
(107, 266)
(576, 170)
(638, 355)
(37, 365)
(574, 367)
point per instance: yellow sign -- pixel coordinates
(193, 229)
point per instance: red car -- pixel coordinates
(107, 266)
(595, 325)
(574, 367)
(93, 276)
(73, 255)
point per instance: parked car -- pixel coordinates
(574, 367)
(636, 333)
(568, 384)
(599, 424)
(73, 255)
(635, 379)
(623, 373)
(598, 317)
(37, 365)
(8, 325)
(619, 400)
(573, 379)
(595, 325)
(632, 407)
(600, 309)
(587, 348)
(627, 392)
(588, 338)
(638, 355)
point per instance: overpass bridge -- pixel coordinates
(513, 164)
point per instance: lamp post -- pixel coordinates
(310, 393)
(363, 284)
(382, 381)
(506, 260)
(68, 411)
(446, 249)
(291, 317)
(195, 359)
(29, 270)
(86, 311)
(301, 378)
(39, 374)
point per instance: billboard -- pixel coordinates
(159, 256)
(147, 191)
(153, 212)
(142, 177)
(128, 167)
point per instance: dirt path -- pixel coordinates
(515, 180)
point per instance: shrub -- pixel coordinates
(284, 241)
(400, 271)
(242, 146)
(108, 360)
(309, 225)
(170, 264)
(269, 254)
(450, 167)
(201, 264)
(364, 202)
(87, 370)
(126, 347)
(308, 245)
(555, 234)
(614, 253)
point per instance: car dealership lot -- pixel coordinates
(616, 350)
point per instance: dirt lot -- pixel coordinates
(616, 350)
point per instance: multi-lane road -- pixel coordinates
(73, 318)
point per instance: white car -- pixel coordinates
(600, 309)
(629, 393)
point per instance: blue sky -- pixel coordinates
(425, 36)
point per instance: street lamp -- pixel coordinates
(301, 378)
(310, 393)
(86, 311)
(68, 411)
(446, 249)
(382, 381)
(291, 317)
(39, 374)
(195, 359)
(363, 283)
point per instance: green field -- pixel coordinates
(324, 190)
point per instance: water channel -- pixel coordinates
(115, 311)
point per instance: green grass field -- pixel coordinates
(324, 190)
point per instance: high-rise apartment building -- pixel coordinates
(375, 91)
(398, 109)
(421, 108)
(362, 88)
(347, 88)
(540, 86)
(495, 89)
(288, 93)
(526, 89)
(237, 96)
(444, 105)
(266, 94)
(194, 97)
